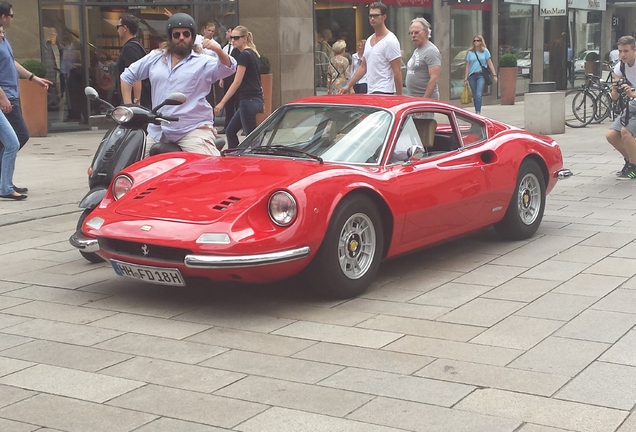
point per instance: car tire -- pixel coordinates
(351, 251)
(525, 211)
(88, 256)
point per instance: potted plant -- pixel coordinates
(591, 63)
(508, 78)
(267, 81)
(33, 100)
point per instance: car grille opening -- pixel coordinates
(143, 250)
(145, 193)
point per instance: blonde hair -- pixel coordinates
(339, 46)
(250, 38)
(483, 43)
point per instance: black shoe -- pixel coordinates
(629, 173)
(19, 189)
(622, 171)
(14, 197)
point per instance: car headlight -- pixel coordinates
(122, 114)
(282, 208)
(121, 185)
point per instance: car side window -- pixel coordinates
(446, 138)
(408, 137)
(472, 131)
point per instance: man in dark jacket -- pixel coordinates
(131, 51)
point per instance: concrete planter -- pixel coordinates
(508, 84)
(33, 101)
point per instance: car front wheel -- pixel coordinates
(350, 254)
(525, 211)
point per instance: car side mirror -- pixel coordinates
(416, 152)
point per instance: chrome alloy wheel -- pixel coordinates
(356, 246)
(529, 199)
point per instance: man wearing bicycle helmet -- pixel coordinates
(180, 66)
(622, 131)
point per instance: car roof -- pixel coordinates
(390, 102)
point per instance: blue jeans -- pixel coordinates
(477, 84)
(244, 118)
(17, 123)
(8, 152)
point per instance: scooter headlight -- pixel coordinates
(121, 186)
(122, 114)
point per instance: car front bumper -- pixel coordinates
(195, 261)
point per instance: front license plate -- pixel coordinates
(158, 275)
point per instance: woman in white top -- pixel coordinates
(356, 59)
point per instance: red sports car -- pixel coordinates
(328, 185)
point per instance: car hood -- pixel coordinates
(210, 189)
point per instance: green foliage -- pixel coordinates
(508, 60)
(265, 65)
(35, 67)
(592, 57)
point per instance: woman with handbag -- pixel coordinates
(480, 71)
(247, 84)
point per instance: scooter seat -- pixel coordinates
(161, 147)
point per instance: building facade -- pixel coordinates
(552, 39)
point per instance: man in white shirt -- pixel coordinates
(621, 133)
(382, 57)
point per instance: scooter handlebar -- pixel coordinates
(170, 118)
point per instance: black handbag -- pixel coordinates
(485, 71)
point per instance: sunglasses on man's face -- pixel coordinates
(120, 25)
(374, 15)
(176, 35)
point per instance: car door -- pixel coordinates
(441, 193)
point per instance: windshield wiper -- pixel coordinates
(279, 149)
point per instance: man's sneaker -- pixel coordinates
(619, 173)
(629, 173)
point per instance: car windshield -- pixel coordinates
(329, 133)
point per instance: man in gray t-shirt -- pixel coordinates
(424, 67)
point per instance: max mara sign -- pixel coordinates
(597, 5)
(549, 8)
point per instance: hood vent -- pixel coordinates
(226, 203)
(145, 193)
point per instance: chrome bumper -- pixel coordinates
(221, 262)
(564, 173)
(83, 244)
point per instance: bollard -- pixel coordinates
(544, 109)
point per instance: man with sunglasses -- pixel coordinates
(180, 66)
(382, 58)
(131, 51)
(10, 70)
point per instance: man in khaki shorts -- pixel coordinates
(182, 67)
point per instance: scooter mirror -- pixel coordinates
(91, 93)
(175, 99)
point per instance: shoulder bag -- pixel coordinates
(485, 71)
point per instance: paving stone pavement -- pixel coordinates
(473, 335)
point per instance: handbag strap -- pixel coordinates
(479, 61)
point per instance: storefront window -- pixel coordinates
(348, 20)
(82, 50)
(515, 37)
(466, 22)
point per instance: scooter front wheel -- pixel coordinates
(88, 256)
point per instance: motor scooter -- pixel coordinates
(120, 147)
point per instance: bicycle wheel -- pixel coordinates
(580, 108)
(603, 107)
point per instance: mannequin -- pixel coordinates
(51, 57)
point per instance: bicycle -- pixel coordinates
(592, 103)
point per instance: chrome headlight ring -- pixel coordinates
(121, 185)
(122, 114)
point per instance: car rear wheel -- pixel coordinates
(525, 211)
(88, 256)
(350, 254)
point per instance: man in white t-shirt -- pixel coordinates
(382, 57)
(622, 131)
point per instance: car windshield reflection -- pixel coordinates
(343, 134)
